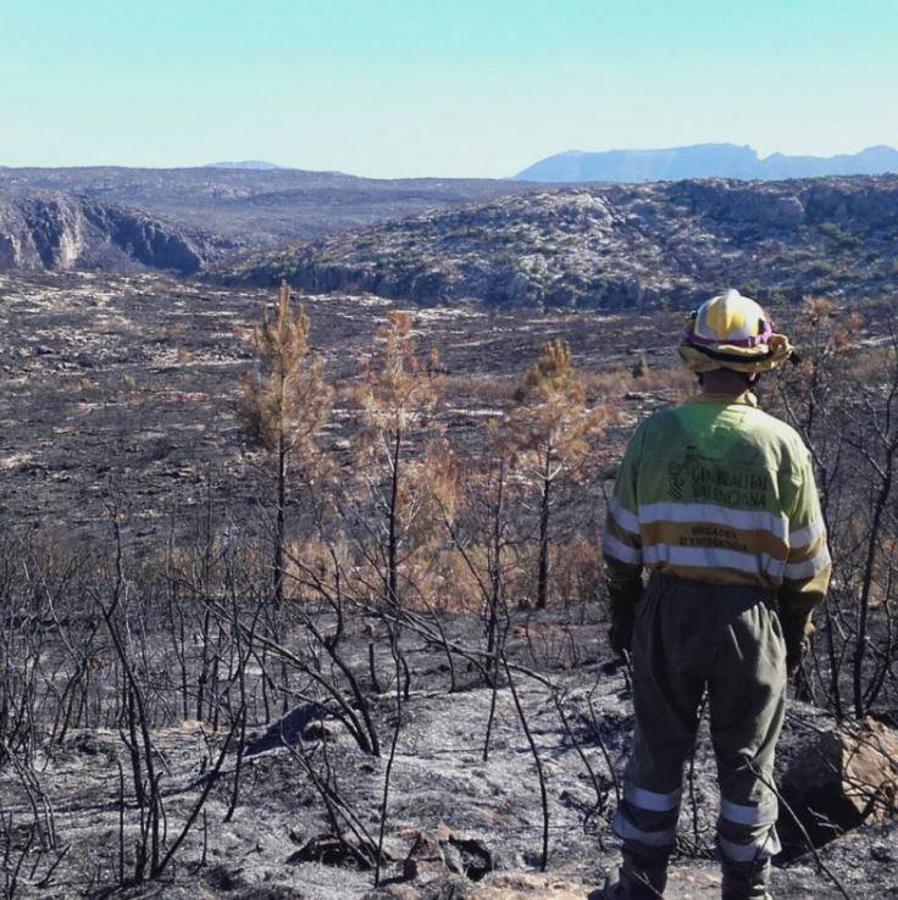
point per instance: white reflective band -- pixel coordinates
(627, 520)
(809, 568)
(715, 558)
(743, 814)
(807, 535)
(709, 514)
(651, 800)
(625, 829)
(766, 846)
(619, 550)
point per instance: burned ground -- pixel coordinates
(118, 411)
(441, 789)
(129, 384)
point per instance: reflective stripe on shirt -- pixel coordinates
(710, 514)
(613, 547)
(624, 518)
(715, 558)
(808, 568)
(807, 535)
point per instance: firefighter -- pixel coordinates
(715, 500)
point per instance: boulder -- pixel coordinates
(848, 776)
(434, 853)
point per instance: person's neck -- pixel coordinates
(724, 383)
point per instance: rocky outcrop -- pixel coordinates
(146, 239)
(57, 231)
(616, 247)
(40, 231)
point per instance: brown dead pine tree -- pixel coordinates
(556, 436)
(285, 404)
(399, 393)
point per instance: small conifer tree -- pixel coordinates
(555, 435)
(399, 393)
(285, 404)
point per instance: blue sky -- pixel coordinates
(392, 88)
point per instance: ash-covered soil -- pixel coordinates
(129, 384)
(123, 389)
(441, 787)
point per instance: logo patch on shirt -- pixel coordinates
(698, 479)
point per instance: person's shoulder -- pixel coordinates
(659, 421)
(778, 435)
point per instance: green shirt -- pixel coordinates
(717, 490)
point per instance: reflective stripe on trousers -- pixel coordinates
(747, 832)
(648, 817)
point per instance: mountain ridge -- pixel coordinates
(712, 160)
(256, 165)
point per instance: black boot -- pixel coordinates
(746, 881)
(642, 877)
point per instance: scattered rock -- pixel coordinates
(90, 743)
(448, 887)
(331, 850)
(433, 853)
(289, 729)
(528, 885)
(222, 878)
(320, 731)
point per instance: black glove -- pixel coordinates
(797, 631)
(623, 616)
(620, 634)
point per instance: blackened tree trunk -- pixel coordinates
(542, 582)
(496, 567)
(393, 525)
(281, 524)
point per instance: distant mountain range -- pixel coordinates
(254, 164)
(704, 161)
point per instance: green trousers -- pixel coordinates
(691, 637)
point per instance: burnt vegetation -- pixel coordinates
(379, 662)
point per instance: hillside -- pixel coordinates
(258, 207)
(615, 247)
(704, 161)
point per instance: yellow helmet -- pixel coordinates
(732, 332)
